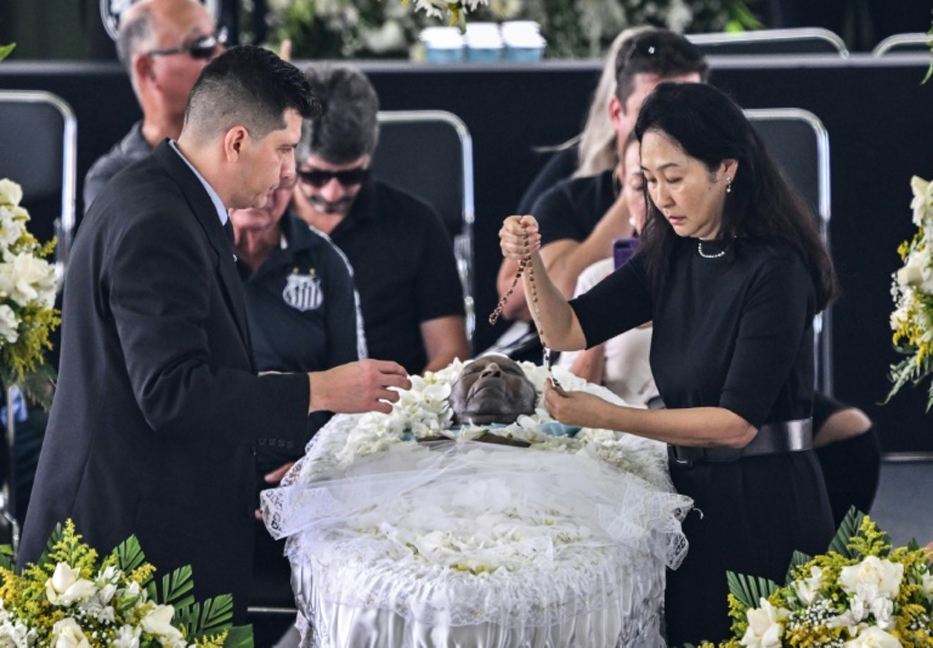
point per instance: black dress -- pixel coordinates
(732, 332)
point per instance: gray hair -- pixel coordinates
(347, 127)
(134, 32)
(247, 86)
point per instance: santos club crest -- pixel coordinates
(303, 291)
(111, 10)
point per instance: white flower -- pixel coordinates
(127, 637)
(10, 192)
(68, 634)
(15, 634)
(765, 626)
(808, 588)
(926, 582)
(9, 323)
(12, 224)
(33, 280)
(873, 637)
(917, 271)
(158, 621)
(922, 203)
(65, 587)
(876, 572)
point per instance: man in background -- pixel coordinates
(402, 256)
(164, 45)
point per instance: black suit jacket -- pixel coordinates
(158, 407)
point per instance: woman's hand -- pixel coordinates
(573, 407)
(512, 238)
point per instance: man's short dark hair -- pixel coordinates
(248, 86)
(348, 127)
(661, 52)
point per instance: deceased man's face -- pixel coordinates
(491, 390)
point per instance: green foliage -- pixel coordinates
(176, 588)
(848, 529)
(5, 50)
(749, 590)
(797, 560)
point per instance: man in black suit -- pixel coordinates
(159, 408)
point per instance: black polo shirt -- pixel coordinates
(573, 207)
(404, 270)
(303, 312)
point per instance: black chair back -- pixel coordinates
(799, 143)
(429, 153)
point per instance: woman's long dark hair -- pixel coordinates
(711, 128)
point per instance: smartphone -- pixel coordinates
(623, 249)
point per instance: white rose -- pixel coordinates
(808, 588)
(912, 274)
(68, 634)
(873, 637)
(65, 587)
(158, 621)
(764, 626)
(873, 572)
(922, 203)
(33, 279)
(9, 323)
(10, 192)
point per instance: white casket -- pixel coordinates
(396, 543)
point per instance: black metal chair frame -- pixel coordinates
(816, 191)
(798, 40)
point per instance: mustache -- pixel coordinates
(330, 207)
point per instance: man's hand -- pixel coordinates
(357, 387)
(273, 478)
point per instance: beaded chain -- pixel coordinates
(525, 264)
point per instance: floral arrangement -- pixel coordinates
(424, 411)
(572, 28)
(861, 594)
(912, 289)
(69, 600)
(27, 296)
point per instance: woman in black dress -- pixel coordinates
(731, 271)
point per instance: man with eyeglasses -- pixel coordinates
(401, 254)
(164, 45)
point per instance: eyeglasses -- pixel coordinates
(318, 178)
(203, 47)
(652, 44)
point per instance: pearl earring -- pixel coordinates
(728, 184)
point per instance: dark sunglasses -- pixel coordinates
(652, 44)
(317, 178)
(200, 48)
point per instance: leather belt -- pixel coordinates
(772, 438)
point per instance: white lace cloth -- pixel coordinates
(395, 543)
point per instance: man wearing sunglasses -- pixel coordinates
(402, 257)
(159, 409)
(164, 45)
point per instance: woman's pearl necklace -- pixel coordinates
(708, 256)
